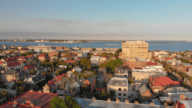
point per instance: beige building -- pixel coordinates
(134, 49)
(120, 87)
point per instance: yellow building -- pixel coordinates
(134, 49)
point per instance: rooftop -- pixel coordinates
(88, 103)
(39, 99)
(117, 81)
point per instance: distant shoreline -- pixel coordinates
(149, 43)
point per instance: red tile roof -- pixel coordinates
(29, 67)
(30, 56)
(41, 100)
(11, 59)
(51, 83)
(69, 61)
(23, 57)
(150, 63)
(13, 64)
(58, 78)
(24, 49)
(163, 81)
(1, 62)
(42, 55)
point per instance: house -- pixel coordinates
(144, 93)
(146, 72)
(183, 67)
(78, 85)
(120, 72)
(8, 75)
(30, 99)
(33, 80)
(160, 83)
(175, 90)
(54, 54)
(49, 87)
(119, 86)
(90, 83)
(42, 57)
(78, 69)
(29, 67)
(69, 61)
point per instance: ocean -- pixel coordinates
(153, 45)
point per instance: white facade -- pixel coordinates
(120, 86)
(145, 72)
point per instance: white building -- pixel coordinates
(145, 72)
(119, 86)
(78, 69)
(120, 72)
(96, 59)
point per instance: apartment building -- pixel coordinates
(134, 49)
(120, 86)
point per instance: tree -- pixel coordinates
(32, 72)
(76, 73)
(70, 66)
(130, 80)
(3, 93)
(103, 95)
(57, 103)
(85, 62)
(20, 90)
(113, 64)
(28, 53)
(70, 102)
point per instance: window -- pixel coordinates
(119, 89)
(125, 89)
(124, 94)
(119, 94)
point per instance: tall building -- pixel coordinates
(119, 86)
(134, 49)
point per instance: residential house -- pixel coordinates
(78, 69)
(77, 85)
(119, 86)
(146, 72)
(158, 84)
(35, 79)
(120, 72)
(42, 57)
(90, 83)
(183, 67)
(144, 93)
(8, 75)
(175, 90)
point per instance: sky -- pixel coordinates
(96, 19)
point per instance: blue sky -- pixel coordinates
(97, 19)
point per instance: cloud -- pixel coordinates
(80, 29)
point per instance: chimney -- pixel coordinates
(40, 91)
(93, 99)
(31, 90)
(108, 99)
(117, 100)
(5, 68)
(15, 102)
(151, 103)
(136, 102)
(32, 104)
(126, 101)
(182, 97)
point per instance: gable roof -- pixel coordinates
(143, 88)
(163, 81)
(13, 64)
(40, 100)
(80, 81)
(29, 67)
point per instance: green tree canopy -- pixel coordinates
(57, 103)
